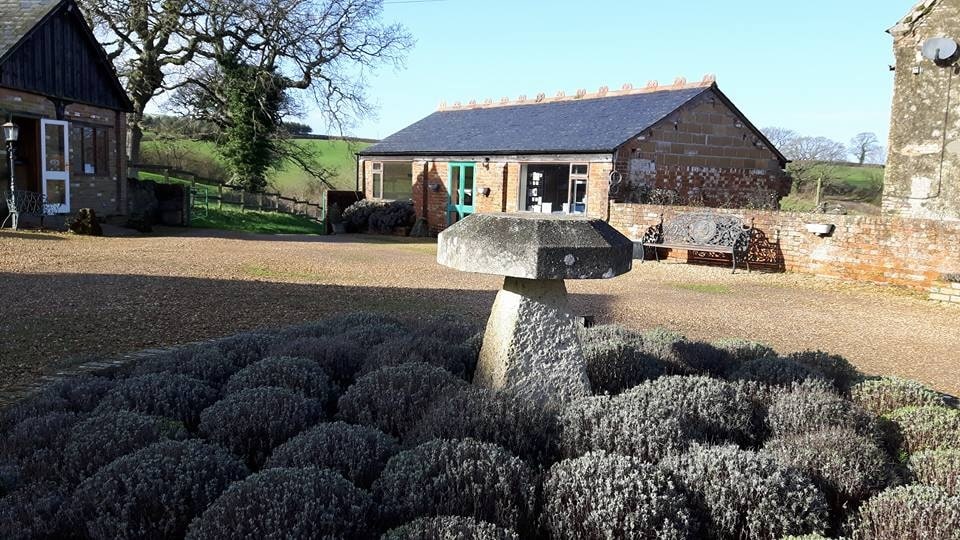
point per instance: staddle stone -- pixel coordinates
(531, 346)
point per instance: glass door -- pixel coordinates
(461, 182)
(577, 195)
(55, 176)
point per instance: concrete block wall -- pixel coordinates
(947, 292)
(704, 151)
(907, 252)
(105, 193)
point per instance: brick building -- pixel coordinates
(58, 86)
(923, 165)
(562, 154)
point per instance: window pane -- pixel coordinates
(89, 166)
(53, 140)
(76, 150)
(455, 184)
(377, 185)
(468, 186)
(103, 154)
(579, 169)
(398, 180)
(56, 192)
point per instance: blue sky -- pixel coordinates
(818, 67)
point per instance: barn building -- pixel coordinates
(573, 153)
(58, 86)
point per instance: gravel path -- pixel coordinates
(67, 298)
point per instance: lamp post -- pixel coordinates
(11, 132)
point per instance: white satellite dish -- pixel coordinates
(940, 49)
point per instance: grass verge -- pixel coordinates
(256, 222)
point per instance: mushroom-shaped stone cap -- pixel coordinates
(535, 246)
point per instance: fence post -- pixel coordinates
(220, 194)
(242, 200)
(166, 175)
(260, 201)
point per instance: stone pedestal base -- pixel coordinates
(531, 346)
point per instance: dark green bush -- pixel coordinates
(711, 408)
(393, 399)
(456, 358)
(836, 368)
(927, 428)
(207, 364)
(252, 422)
(609, 496)
(449, 528)
(625, 424)
(940, 468)
(33, 511)
(339, 358)
(466, 478)
(909, 512)
(887, 394)
(298, 374)
(98, 440)
(775, 371)
(394, 214)
(287, 503)
(814, 406)
(847, 466)
(154, 492)
(357, 215)
(743, 494)
(160, 394)
(524, 428)
(359, 453)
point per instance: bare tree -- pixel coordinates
(865, 148)
(144, 39)
(813, 160)
(780, 137)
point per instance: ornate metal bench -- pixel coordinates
(22, 202)
(717, 233)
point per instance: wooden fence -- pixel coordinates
(206, 193)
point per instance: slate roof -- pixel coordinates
(589, 125)
(18, 17)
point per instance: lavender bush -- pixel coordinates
(835, 368)
(338, 358)
(940, 468)
(297, 374)
(207, 364)
(33, 511)
(449, 528)
(887, 394)
(908, 512)
(456, 358)
(160, 394)
(775, 371)
(812, 406)
(927, 428)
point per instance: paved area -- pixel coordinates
(65, 299)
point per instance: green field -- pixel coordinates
(256, 222)
(200, 157)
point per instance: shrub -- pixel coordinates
(97, 441)
(927, 428)
(609, 496)
(449, 328)
(82, 392)
(835, 368)
(252, 422)
(207, 364)
(814, 406)
(624, 424)
(466, 478)
(449, 528)
(394, 214)
(369, 329)
(775, 371)
(33, 511)
(887, 394)
(847, 466)
(743, 350)
(670, 348)
(526, 429)
(297, 374)
(940, 468)
(337, 357)
(615, 365)
(154, 492)
(9, 478)
(357, 215)
(744, 494)
(458, 359)
(287, 503)
(909, 512)
(36, 405)
(245, 349)
(35, 444)
(359, 453)
(160, 394)
(393, 399)
(709, 406)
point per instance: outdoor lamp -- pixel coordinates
(11, 132)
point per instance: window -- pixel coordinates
(393, 180)
(377, 180)
(89, 150)
(554, 187)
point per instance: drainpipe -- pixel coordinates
(425, 187)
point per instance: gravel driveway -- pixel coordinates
(67, 298)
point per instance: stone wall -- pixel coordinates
(703, 152)
(892, 250)
(105, 192)
(923, 165)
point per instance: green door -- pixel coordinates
(461, 182)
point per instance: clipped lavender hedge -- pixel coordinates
(169, 395)
(908, 512)
(449, 528)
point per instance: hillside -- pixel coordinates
(199, 157)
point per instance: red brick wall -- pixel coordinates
(105, 193)
(882, 249)
(704, 152)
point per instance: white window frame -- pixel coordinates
(376, 178)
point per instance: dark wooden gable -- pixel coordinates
(61, 59)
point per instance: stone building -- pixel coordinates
(563, 154)
(923, 168)
(58, 86)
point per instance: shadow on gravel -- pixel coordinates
(54, 320)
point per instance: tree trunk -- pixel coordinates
(135, 126)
